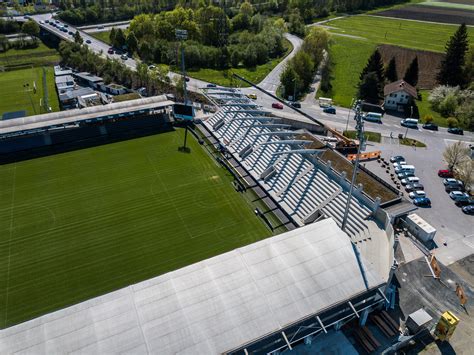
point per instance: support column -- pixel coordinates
(308, 340)
(338, 326)
(47, 139)
(363, 317)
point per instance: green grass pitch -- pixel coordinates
(84, 223)
(14, 96)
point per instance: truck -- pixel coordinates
(420, 228)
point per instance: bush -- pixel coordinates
(427, 118)
(452, 122)
(448, 106)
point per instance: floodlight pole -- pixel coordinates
(349, 113)
(182, 35)
(360, 136)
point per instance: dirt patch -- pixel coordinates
(428, 62)
(433, 13)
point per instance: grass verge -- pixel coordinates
(103, 36)
(80, 224)
(370, 136)
(225, 78)
(39, 56)
(17, 91)
(412, 142)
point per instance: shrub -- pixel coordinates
(452, 122)
(427, 118)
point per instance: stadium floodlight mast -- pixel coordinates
(182, 35)
(360, 136)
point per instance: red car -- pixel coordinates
(277, 105)
(444, 173)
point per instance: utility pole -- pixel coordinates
(349, 113)
(360, 136)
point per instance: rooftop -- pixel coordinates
(397, 86)
(89, 77)
(210, 307)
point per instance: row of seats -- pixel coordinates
(298, 184)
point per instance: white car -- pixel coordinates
(399, 163)
(416, 194)
(459, 196)
(410, 180)
(451, 181)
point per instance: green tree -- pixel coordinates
(112, 35)
(316, 43)
(411, 74)
(304, 67)
(120, 39)
(30, 28)
(391, 71)
(452, 66)
(132, 42)
(370, 88)
(290, 81)
(469, 67)
(374, 64)
(78, 38)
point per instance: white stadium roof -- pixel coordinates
(210, 307)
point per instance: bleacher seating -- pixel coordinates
(299, 184)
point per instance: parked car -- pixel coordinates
(330, 109)
(252, 96)
(100, 27)
(410, 180)
(468, 202)
(124, 57)
(110, 51)
(430, 126)
(468, 209)
(295, 104)
(415, 194)
(445, 173)
(186, 78)
(409, 122)
(456, 130)
(373, 117)
(47, 21)
(405, 174)
(151, 67)
(414, 187)
(454, 187)
(88, 41)
(399, 163)
(211, 85)
(459, 196)
(422, 201)
(65, 25)
(277, 105)
(397, 158)
(71, 33)
(451, 181)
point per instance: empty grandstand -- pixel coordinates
(49, 130)
(305, 186)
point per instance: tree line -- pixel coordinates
(300, 70)
(214, 40)
(78, 12)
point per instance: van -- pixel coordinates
(409, 122)
(410, 180)
(373, 117)
(325, 102)
(405, 169)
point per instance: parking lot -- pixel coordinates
(454, 236)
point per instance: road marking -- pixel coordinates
(452, 141)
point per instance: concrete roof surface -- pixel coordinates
(210, 307)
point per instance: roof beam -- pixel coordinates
(300, 151)
(287, 142)
(286, 339)
(321, 324)
(353, 309)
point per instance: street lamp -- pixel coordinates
(294, 89)
(349, 113)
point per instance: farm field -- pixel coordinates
(404, 33)
(16, 97)
(40, 56)
(431, 13)
(84, 223)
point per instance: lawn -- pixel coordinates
(424, 109)
(40, 56)
(348, 58)
(84, 223)
(412, 142)
(16, 97)
(370, 136)
(103, 36)
(254, 75)
(404, 33)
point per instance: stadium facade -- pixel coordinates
(263, 298)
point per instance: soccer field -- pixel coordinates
(17, 93)
(80, 224)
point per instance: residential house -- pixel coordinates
(398, 95)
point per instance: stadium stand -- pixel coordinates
(262, 298)
(305, 186)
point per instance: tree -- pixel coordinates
(374, 64)
(370, 88)
(132, 42)
(304, 67)
(119, 39)
(315, 43)
(112, 35)
(290, 81)
(455, 154)
(391, 71)
(465, 173)
(78, 38)
(30, 28)
(452, 66)
(469, 67)
(411, 74)
(465, 114)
